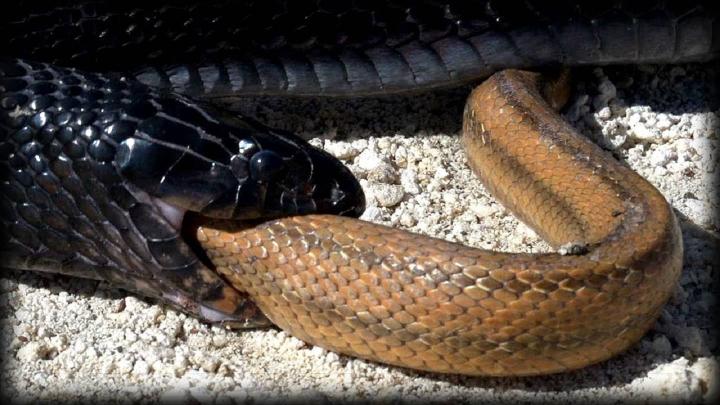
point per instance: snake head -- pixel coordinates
(200, 159)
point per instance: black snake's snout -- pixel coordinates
(300, 179)
(336, 189)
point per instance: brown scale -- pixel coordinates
(391, 296)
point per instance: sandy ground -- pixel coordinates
(66, 338)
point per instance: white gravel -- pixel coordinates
(66, 338)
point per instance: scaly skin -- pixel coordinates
(409, 300)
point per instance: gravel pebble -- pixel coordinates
(661, 346)
(84, 340)
(691, 338)
(384, 195)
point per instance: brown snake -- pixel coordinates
(395, 297)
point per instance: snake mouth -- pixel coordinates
(186, 223)
(342, 196)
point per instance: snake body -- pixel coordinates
(392, 296)
(103, 175)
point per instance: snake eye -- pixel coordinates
(265, 164)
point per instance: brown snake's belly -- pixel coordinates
(395, 297)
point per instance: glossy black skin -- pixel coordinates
(224, 48)
(218, 165)
(82, 156)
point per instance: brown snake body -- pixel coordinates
(395, 297)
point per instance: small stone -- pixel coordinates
(131, 336)
(661, 346)
(91, 352)
(577, 108)
(441, 173)
(219, 341)
(374, 167)
(604, 113)
(369, 160)
(407, 220)
(316, 142)
(691, 339)
(162, 368)
(663, 122)
(707, 371)
(80, 347)
(662, 156)
(196, 377)
(383, 174)
(332, 357)
(704, 125)
(386, 195)
(699, 211)
(125, 366)
(134, 304)
(107, 365)
(707, 301)
(450, 197)
(659, 171)
(295, 343)
(372, 214)
(642, 132)
(409, 181)
(119, 306)
(141, 368)
(613, 139)
(669, 383)
(248, 382)
(207, 362)
(32, 351)
(7, 285)
(341, 150)
(181, 361)
(607, 92)
(572, 248)
(317, 351)
(348, 376)
(484, 210)
(43, 332)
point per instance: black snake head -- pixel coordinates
(106, 178)
(200, 159)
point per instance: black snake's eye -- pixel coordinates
(265, 164)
